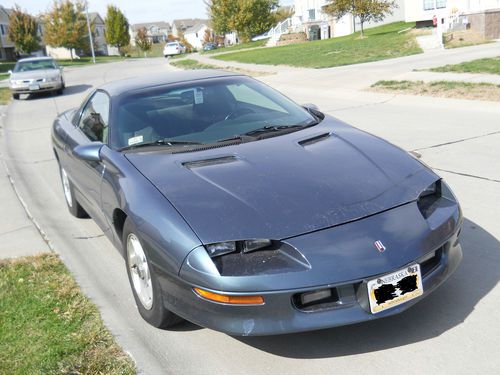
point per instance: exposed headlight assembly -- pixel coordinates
(433, 196)
(222, 248)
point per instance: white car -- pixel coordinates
(173, 48)
(36, 74)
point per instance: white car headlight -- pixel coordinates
(53, 79)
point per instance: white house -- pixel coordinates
(423, 11)
(195, 35)
(481, 16)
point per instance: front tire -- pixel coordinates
(15, 96)
(143, 281)
(74, 207)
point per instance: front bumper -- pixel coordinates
(43, 87)
(340, 259)
(279, 315)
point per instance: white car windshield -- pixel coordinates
(26, 66)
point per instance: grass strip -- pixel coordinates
(488, 66)
(446, 89)
(48, 326)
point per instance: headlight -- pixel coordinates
(428, 198)
(53, 79)
(222, 248)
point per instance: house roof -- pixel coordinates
(185, 24)
(195, 28)
(147, 25)
(95, 18)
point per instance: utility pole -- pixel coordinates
(90, 31)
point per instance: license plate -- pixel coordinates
(395, 288)
(34, 87)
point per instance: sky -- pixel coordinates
(136, 11)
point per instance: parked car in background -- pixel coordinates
(36, 74)
(174, 48)
(209, 46)
(241, 211)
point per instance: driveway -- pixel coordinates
(455, 330)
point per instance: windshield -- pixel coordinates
(172, 44)
(204, 112)
(26, 66)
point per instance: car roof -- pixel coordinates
(36, 59)
(119, 87)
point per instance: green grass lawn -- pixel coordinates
(447, 89)
(47, 326)
(5, 95)
(88, 60)
(383, 42)
(489, 66)
(192, 64)
(236, 47)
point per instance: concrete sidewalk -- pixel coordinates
(19, 235)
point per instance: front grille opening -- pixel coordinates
(316, 300)
(431, 263)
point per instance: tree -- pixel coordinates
(282, 13)
(142, 40)
(23, 31)
(365, 10)
(66, 26)
(247, 17)
(116, 28)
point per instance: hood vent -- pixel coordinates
(315, 139)
(208, 162)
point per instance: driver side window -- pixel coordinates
(95, 116)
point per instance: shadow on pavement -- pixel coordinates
(76, 89)
(69, 90)
(446, 308)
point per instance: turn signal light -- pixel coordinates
(231, 300)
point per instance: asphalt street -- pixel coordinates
(454, 330)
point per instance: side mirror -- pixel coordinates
(310, 106)
(89, 152)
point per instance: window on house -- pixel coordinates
(2, 29)
(97, 32)
(312, 14)
(429, 4)
(440, 4)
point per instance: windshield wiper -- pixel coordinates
(161, 142)
(243, 138)
(280, 128)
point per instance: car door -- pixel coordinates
(91, 125)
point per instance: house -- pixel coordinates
(179, 27)
(482, 16)
(195, 35)
(157, 32)
(98, 35)
(7, 51)
(319, 25)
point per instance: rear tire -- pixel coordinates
(15, 96)
(144, 282)
(74, 207)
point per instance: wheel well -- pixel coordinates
(119, 218)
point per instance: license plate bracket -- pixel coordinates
(395, 288)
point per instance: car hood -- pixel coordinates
(35, 74)
(285, 186)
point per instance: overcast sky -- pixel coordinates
(136, 10)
